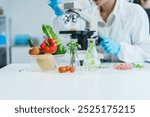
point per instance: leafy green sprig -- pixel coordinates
(73, 46)
(138, 66)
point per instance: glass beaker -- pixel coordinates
(74, 60)
(92, 61)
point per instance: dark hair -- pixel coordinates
(137, 1)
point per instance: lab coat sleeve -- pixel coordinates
(139, 49)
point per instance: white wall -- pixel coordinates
(5, 6)
(27, 16)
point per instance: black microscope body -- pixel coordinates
(81, 36)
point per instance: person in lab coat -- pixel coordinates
(123, 27)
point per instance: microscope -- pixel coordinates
(73, 11)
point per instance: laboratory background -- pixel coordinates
(64, 50)
(21, 20)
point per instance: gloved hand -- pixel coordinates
(110, 46)
(54, 4)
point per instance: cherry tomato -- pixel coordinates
(72, 69)
(62, 69)
(67, 68)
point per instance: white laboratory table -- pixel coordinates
(18, 82)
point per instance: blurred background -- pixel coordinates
(23, 19)
(20, 20)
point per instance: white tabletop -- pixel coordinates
(17, 81)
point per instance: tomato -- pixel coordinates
(72, 69)
(62, 69)
(67, 68)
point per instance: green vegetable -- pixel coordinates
(60, 49)
(73, 46)
(48, 30)
(139, 66)
(31, 43)
(90, 49)
(91, 59)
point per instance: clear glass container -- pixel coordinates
(62, 60)
(44, 62)
(92, 61)
(74, 59)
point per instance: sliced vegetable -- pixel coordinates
(126, 66)
(123, 66)
(49, 46)
(48, 30)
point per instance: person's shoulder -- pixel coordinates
(135, 9)
(131, 10)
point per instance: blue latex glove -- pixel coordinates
(54, 5)
(110, 46)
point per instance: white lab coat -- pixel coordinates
(128, 24)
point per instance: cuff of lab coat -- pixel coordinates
(128, 53)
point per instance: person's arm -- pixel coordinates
(139, 51)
